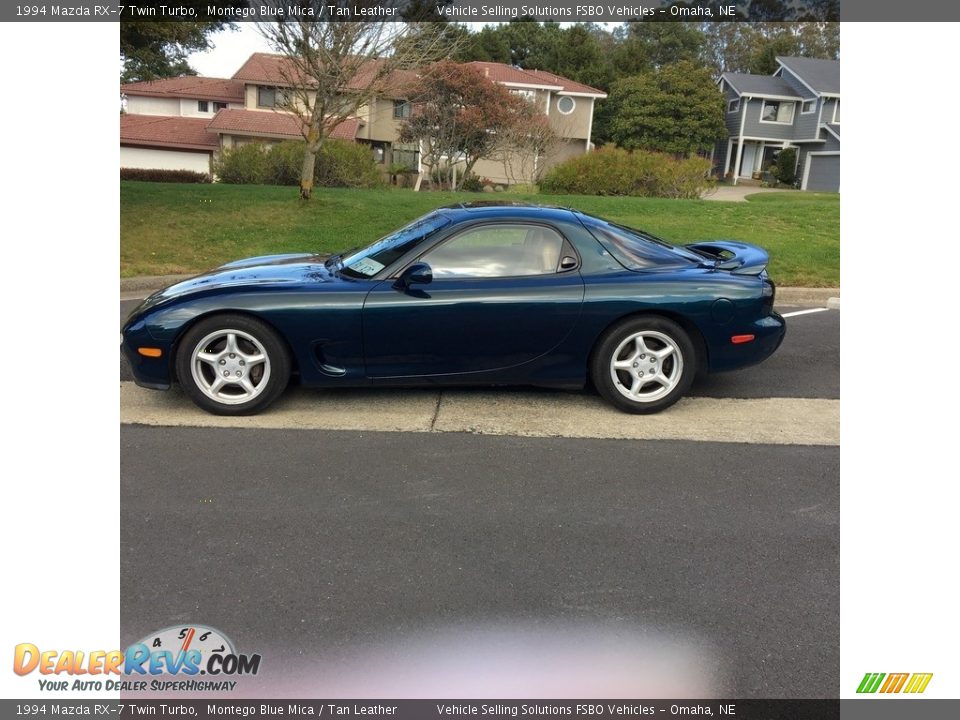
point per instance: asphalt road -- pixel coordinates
(807, 365)
(356, 560)
(445, 564)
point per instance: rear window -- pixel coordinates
(636, 249)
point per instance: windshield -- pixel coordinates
(637, 249)
(374, 258)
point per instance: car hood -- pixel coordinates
(257, 272)
(265, 270)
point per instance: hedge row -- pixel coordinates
(339, 164)
(171, 176)
(615, 171)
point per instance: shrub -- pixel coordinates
(345, 164)
(157, 175)
(284, 162)
(242, 164)
(472, 184)
(786, 161)
(615, 171)
(339, 164)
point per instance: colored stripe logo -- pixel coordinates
(894, 683)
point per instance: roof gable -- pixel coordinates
(760, 85)
(509, 74)
(821, 76)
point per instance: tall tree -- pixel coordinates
(460, 115)
(333, 68)
(676, 109)
(489, 44)
(754, 46)
(574, 52)
(648, 45)
(151, 50)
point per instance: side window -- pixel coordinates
(505, 250)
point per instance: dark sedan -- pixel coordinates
(476, 293)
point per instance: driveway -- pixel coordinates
(737, 193)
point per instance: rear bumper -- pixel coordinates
(768, 334)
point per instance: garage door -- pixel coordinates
(824, 173)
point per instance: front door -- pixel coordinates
(748, 162)
(498, 299)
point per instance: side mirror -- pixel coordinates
(417, 274)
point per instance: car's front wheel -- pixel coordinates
(232, 365)
(644, 364)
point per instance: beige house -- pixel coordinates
(569, 107)
(181, 123)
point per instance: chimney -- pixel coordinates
(486, 72)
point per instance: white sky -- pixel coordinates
(231, 48)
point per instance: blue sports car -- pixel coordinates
(476, 293)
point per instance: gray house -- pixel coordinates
(799, 107)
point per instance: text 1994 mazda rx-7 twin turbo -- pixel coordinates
(478, 293)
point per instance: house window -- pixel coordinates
(836, 112)
(401, 109)
(530, 95)
(733, 106)
(379, 153)
(217, 107)
(775, 111)
(406, 155)
(566, 105)
(203, 106)
(269, 97)
(808, 107)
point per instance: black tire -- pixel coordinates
(667, 374)
(249, 385)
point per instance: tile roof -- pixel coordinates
(200, 88)
(568, 85)
(273, 124)
(265, 68)
(823, 76)
(164, 131)
(747, 84)
(277, 70)
(273, 69)
(502, 73)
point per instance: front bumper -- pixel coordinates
(148, 372)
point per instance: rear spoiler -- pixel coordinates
(739, 258)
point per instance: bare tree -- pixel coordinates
(331, 69)
(528, 149)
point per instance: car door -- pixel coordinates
(503, 294)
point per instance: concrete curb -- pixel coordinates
(807, 296)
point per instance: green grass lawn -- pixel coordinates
(169, 228)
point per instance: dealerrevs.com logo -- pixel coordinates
(188, 652)
(894, 683)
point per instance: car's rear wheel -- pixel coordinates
(233, 365)
(644, 364)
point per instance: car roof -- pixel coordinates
(507, 208)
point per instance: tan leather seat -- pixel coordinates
(541, 250)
